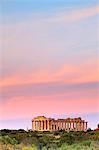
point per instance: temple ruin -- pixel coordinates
(41, 123)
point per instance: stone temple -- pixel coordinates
(41, 123)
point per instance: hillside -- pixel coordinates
(58, 140)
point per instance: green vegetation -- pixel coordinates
(59, 140)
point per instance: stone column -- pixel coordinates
(48, 125)
(44, 125)
(73, 126)
(68, 126)
(36, 125)
(65, 125)
(61, 125)
(80, 126)
(85, 126)
(57, 126)
(53, 126)
(76, 126)
(41, 125)
(33, 125)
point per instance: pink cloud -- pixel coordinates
(86, 72)
(76, 15)
(28, 107)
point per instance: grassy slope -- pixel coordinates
(59, 140)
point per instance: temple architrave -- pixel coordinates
(41, 123)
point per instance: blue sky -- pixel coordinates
(26, 6)
(14, 10)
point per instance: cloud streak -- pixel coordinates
(77, 15)
(65, 74)
(16, 107)
(52, 89)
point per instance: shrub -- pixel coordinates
(86, 143)
(28, 148)
(67, 138)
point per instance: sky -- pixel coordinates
(49, 61)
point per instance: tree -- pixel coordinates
(67, 138)
(7, 140)
(89, 129)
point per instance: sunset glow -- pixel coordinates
(49, 60)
